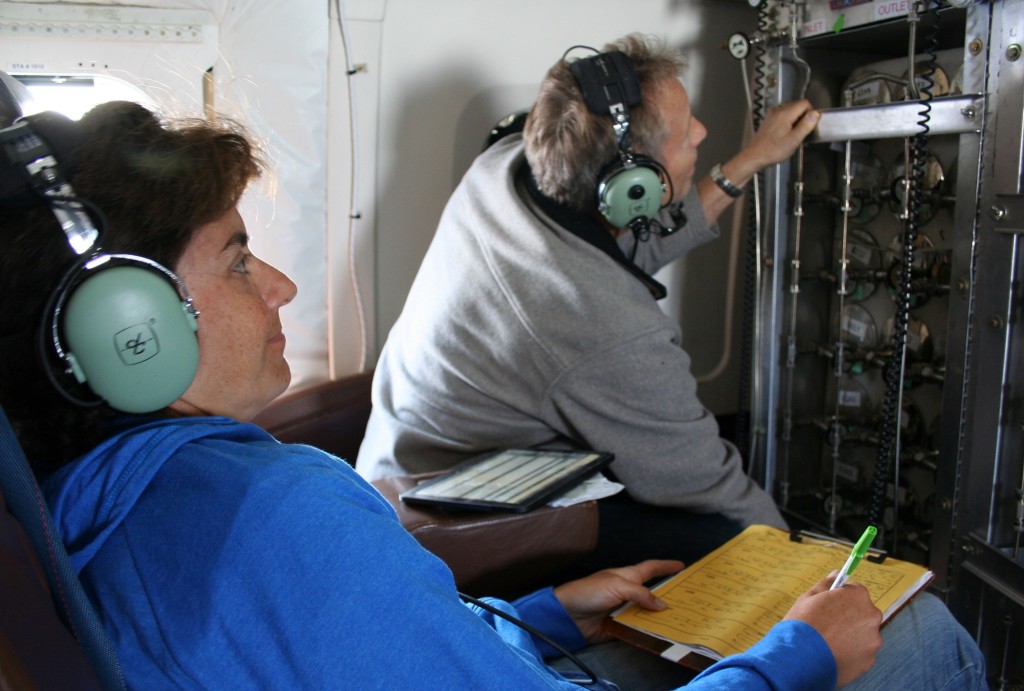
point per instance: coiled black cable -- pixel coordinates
(759, 106)
(894, 367)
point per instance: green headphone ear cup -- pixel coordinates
(129, 333)
(630, 193)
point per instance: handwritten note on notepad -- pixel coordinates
(728, 600)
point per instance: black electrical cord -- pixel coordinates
(759, 103)
(894, 367)
(536, 634)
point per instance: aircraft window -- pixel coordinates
(74, 95)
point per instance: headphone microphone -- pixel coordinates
(630, 188)
(123, 325)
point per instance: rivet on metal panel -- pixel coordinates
(975, 46)
(1013, 52)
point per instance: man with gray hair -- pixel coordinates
(533, 320)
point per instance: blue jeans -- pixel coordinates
(924, 649)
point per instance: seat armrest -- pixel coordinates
(494, 553)
(490, 553)
(331, 416)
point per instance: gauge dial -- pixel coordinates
(739, 45)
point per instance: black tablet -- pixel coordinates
(508, 480)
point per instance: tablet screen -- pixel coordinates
(508, 480)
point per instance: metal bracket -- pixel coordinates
(947, 115)
(1008, 212)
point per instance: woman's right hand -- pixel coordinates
(847, 620)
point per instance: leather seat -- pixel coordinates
(37, 651)
(505, 555)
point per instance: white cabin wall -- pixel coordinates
(270, 64)
(363, 163)
(273, 75)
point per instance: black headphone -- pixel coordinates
(630, 188)
(121, 324)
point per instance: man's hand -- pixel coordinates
(589, 600)
(781, 132)
(783, 129)
(847, 620)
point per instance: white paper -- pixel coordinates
(595, 487)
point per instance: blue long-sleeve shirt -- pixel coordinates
(220, 558)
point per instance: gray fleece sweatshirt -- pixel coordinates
(517, 333)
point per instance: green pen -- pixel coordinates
(859, 550)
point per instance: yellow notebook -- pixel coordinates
(728, 600)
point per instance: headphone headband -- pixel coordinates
(631, 187)
(30, 145)
(608, 82)
(610, 87)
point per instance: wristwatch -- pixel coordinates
(727, 185)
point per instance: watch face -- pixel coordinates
(739, 45)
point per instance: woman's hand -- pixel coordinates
(847, 620)
(589, 600)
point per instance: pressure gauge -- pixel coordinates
(739, 45)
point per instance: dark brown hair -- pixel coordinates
(155, 183)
